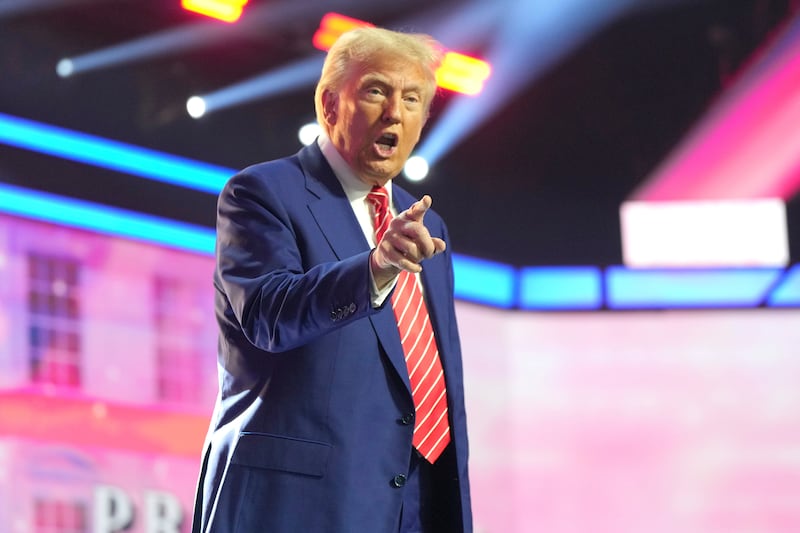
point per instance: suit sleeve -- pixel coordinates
(278, 303)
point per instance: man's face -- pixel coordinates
(376, 118)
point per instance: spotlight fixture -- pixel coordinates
(416, 168)
(224, 10)
(196, 106)
(308, 133)
(65, 68)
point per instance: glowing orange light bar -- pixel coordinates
(224, 10)
(30, 415)
(458, 73)
(462, 74)
(331, 27)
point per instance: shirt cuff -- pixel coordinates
(378, 296)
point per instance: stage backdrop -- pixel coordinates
(601, 422)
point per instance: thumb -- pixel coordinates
(439, 245)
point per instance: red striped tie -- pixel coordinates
(431, 428)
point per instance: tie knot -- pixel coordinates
(379, 198)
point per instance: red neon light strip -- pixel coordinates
(224, 10)
(458, 72)
(84, 422)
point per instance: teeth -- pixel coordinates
(388, 139)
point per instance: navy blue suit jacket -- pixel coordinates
(309, 429)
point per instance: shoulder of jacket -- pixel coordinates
(279, 172)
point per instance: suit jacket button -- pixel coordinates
(407, 418)
(399, 480)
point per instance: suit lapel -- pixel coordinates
(331, 209)
(329, 205)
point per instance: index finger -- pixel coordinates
(418, 209)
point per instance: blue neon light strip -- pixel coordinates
(103, 219)
(495, 284)
(484, 281)
(647, 289)
(117, 156)
(561, 288)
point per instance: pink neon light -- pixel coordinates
(748, 147)
(83, 422)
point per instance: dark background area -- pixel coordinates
(539, 183)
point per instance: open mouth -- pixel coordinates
(387, 141)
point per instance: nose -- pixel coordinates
(391, 109)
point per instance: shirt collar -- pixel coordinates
(354, 188)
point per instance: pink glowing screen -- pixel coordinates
(666, 421)
(672, 421)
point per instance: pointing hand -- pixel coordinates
(405, 244)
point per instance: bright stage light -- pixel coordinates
(308, 133)
(196, 106)
(416, 168)
(529, 39)
(462, 74)
(224, 10)
(301, 73)
(65, 68)
(331, 27)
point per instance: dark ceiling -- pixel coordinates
(539, 183)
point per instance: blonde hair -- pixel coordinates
(357, 48)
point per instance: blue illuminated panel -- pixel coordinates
(645, 288)
(104, 219)
(484, 281)
(561, 288)
(113, 155)
(787, 292)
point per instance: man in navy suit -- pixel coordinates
(313, 429)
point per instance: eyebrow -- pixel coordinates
(371, 78)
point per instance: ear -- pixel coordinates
(330, 103)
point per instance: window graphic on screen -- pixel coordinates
(178, 320)
(54, 314)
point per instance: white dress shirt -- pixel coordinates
(356, 192)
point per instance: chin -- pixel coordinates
(383, 174)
